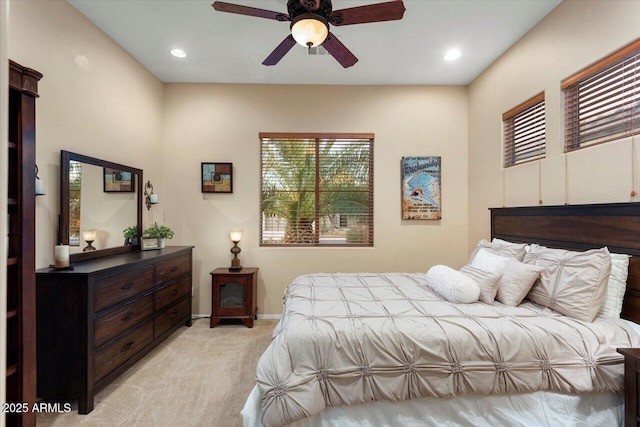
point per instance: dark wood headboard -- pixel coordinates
(579, 227)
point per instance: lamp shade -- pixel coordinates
(89, 235)
(309, 30)
(236, 235)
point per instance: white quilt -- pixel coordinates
(346, 339)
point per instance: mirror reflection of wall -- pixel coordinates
(91, 208)
(75, 182)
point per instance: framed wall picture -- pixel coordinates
(217, 177)
(116, 181)
(421, 187)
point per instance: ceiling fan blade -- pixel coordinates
(339, 51)
(280, 51)
(310, 4)
(221, 6)
(389, 11)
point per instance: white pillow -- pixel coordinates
(487, 261)
(616, 286)
(572, 283)
(487, 281)
(452, 285)
(510, 250)
(517, 280)
(527, 248)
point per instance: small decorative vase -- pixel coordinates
(161, 243)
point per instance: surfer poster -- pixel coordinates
(421, 188)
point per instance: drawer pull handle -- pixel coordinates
(126, 347)
(127, 286)
(174, 315)
(174, 268)
(128, 316)
(174, 292)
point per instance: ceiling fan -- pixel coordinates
(310, 20)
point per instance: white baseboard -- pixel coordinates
(269, 316)
(260, 316)
(200, 316)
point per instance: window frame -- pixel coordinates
(529, 110)
(605, 68)
(319, 137)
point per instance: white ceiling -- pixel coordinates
(230, 48)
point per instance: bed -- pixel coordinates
(385, 350)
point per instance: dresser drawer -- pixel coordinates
(115, 321)
(115, 289)
(174, 314)
(111, 356)
(172, 268)
(173, 292)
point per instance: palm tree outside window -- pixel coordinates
(316, 189)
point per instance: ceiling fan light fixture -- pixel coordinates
(309, 29)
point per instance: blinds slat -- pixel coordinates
(537, 142)
(524, 106)
(630, 50)
(602, 103)
(613, 94)
(616, 71)
(524, 132)
(538, 151)
(535, 128)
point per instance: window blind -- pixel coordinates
(602, 102)
(524, 132)
(316, 190)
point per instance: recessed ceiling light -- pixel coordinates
(178, 53)
(452, 55)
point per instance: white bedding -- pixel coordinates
(539, 409)
(489, 357)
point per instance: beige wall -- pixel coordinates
(98, 101)
(212, 122)
(95, 99)
(575, 34)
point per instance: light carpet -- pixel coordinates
(196, 377)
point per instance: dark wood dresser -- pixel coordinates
(95, 321)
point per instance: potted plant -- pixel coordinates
(130, 235)
(160, 232)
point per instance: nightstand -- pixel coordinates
(631, 370)
(234, 295)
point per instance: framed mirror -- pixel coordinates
(98, 200)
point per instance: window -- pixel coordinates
(524, 132)
(316, 190)
(602, 102)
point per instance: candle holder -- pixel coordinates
(89, 236)
(235, 235)
(150, 198)
(39, 184)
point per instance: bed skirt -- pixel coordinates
(539, 409)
